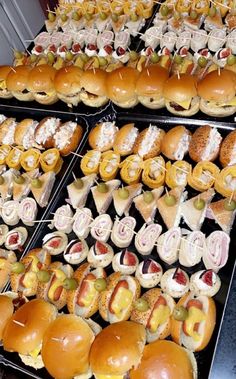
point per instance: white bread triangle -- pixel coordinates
(7, 187)
(171, 214)
(78, 197)
(103, 200)
(123, 205)
(22, 190)
(193, 217)
(148, 211)
(222, 217)
(43, 193)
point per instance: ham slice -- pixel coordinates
(216, 255)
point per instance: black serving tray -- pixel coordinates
(205, 357)
(20, 114)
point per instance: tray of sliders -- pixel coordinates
(140, 231)
(35, 154)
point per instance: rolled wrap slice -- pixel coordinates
(168, 245)
(10, 213)
(131, 169)
(154, 171)
(101, 228)
(90, 162)
(146, 238)
(192, 248)
(123, 231)
(177, 173)
(76, 251)
(3, 232)
(30, 159)
(109, 165)
(28, 210)
(13, 158)
(82, 219)
(216, 254)
(203, 176)
(225, 182)
(16, 238)
(63, 219)
(51, 160)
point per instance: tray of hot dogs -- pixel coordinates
(140, 230)
(35, 154)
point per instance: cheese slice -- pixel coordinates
(184, 104)
(195, 315)
(231, 102)
(159, 316)
(3, 84)
(123, 300)
(34, 353)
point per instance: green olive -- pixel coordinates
(123, 193)
(69, 56)
(180, 313)
(78, 183)
(75, 16)
(199, 204)
(141, 305)
(64, 17)
(43, 276)
(103, 16)
(84, 57)
(18, 268)
(102, 61)
(19, 179)
(2, 180)
(134, 17)
(170, 200)
(102, 188)
(154, 57)
(164, 10)
(33, 58)
(178, 59)
(148, 197)
(114, 17)
(70, 284)
(36, 183)
(202, 62)
(100, 284)
(230, 205)
(231, 60)
(51, 16)
(193, 15)
(18, 54)
(212, 12)
(177, 15)
(133, 55)
(51, 57)
(88, 16)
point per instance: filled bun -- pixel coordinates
(205, 144)
(17, 82)
(148, 143)
(165, 359)
(121, 87)
(24, 133)
(228, 150)
(175, 143)
(41, 84)
(68, 84)
(93, 88)
(65, 360)
(4, 92)
(150, 85)
(102, 137)
(125, 139)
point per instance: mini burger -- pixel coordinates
(150, 85)
(17, 83)
(180, 93)
(217, 92)
(175, 143)
(4, 92)
(121, 87)
(66, 346)
(93, 88)
(6, 311)
(41, 84)
(165, 360)
(117, 349)
(68, 85)
(25, 329)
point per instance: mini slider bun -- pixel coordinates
(4, 92)
(41, 84)
(205, 144)
(66, 346)
(102, 136)
(6, 311)
(121, 87)
(125, 139)
(148, 142)
(150, 85)
(24, 133)
(180, 93)
(217, 92)
(228, 150)
(175, 143)
(17, 83)
(117, 349)
(165, 359)
(68, 84)
(93, 88)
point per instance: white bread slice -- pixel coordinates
(171, 214)
(222, 217)
(123, 205)
(7, 187)
(148, 211)
(103, 200)
(194, 217)
(21, 191)
(78, 197)
(43, 193)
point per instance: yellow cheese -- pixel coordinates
(30, 279)
(184, 104)
(35, 352)
(60, 277)
(87, 301)
(101, 376)
(34, 264)
(3, 84)
(123, 300)
(231, 102)
(2, 263)
(195, 315)
(159, 316)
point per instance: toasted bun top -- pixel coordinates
(4, 71)
(25, 329)
(67, 80)
(117, 348)
(164, 360)
(6, 311)
(41, 78)
(151, 81)
(66, 346)
(17, 79)
(180, 87)
(94, 81)
(121, 84)
(218, 86)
